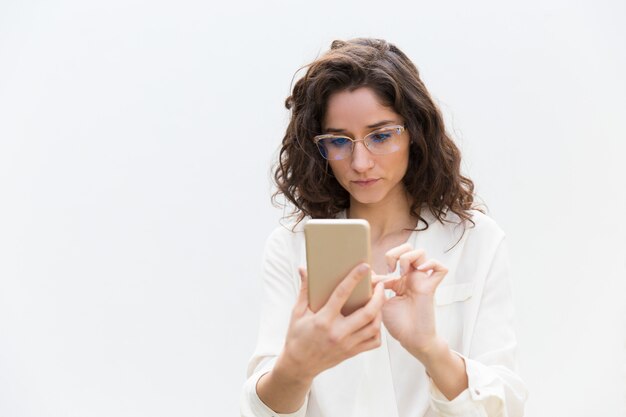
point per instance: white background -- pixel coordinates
(136, 140)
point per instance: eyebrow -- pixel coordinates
(372, 126)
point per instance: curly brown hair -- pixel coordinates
(433, 178)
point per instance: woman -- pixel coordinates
(365, 140)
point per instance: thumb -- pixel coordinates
(439, 271)
(396, 285)
(303, 296)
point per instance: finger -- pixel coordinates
(378, 278)
(340, 295)
(392, 255)
(411, 259)
(395, 285)
(302, 302)
(368, 331)
(366, 314)
(369, 344)
(439, 271)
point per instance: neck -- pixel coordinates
(392, 215)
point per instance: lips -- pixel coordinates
(366, 182)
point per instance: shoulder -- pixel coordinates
(480, 226)
(456, 239)
(484, 226)
(286, 236)
(483, 240)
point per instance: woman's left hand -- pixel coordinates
(409, 316)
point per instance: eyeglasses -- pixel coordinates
(380, 142)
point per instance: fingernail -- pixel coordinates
(401, 270)
(363, 268)
(421, 266)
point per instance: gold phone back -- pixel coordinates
(333, 248)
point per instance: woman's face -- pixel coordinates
(369, 178)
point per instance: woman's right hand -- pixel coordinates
(318, 341)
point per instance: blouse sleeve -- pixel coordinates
(281, 286)
(494, 389)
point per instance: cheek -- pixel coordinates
(400, 163)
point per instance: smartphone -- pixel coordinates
(333, 248)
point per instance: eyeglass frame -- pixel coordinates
(318, 138)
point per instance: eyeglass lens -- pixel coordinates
(380, 142)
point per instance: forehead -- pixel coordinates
(354, 110)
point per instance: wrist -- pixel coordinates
(282, 389)
(431, 353)
(288, 369)
(445, 368)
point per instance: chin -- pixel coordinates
(368, 197)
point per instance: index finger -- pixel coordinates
(380, 278)
(342, 292)
(392, 255)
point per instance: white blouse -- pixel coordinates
(474, 315)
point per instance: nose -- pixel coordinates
(362, 159)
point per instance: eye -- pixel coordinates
(339, 141)
(380, 137)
